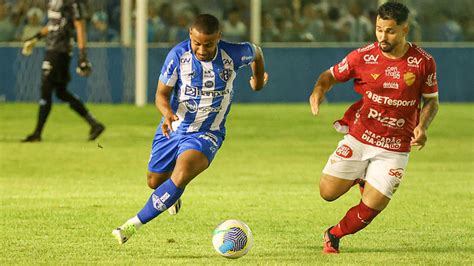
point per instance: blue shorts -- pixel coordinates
(165, 152)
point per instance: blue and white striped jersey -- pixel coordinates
(203, 91)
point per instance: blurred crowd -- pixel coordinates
(282, 20)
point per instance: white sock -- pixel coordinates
(134, 220)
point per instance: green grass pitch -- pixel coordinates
(60, 199)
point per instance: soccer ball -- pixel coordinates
(232, 239)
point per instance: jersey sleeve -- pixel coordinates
(244, 54)
(79, 10)
(345, 70)
(429, 87)
(169, 74)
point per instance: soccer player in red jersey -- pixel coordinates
(395, 78)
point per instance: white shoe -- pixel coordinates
(174, 209)
(124, 232)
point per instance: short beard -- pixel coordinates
(388, 48)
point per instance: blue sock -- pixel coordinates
(160, 200)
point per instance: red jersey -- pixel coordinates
(391, 92)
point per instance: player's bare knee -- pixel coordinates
(328, 195)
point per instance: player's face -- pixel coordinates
(389, 34)
(204, 46)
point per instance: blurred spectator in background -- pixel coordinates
(166, 14)
(356, 25)
(154, 22)
(449, 29)
(180, 32)
(332, 26)
(34, 23)
(233, 28)
(7, 29)
(270, 32)
(99, 30)
(310, 24)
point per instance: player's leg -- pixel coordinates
(382, 180)
(331, 187)
(189, 164)
(154, 180)
(75, 103)
(194, 155)
(45, 104)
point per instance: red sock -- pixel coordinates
(356, 219)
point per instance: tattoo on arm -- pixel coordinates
(428, 112)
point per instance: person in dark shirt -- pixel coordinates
(63, 18)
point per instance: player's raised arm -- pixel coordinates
(259, 76)
(428, 113)
(162, 103)
(324, 83)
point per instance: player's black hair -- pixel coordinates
(393, 10)
(207, 24)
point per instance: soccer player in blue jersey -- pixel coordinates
(194, 95)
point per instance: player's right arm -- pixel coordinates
(30, 43)
(162, 103)
(324, 83)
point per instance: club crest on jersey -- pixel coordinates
(409, 78)
(225, 74)
(191, 105)
(375, 76)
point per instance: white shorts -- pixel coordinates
(353, 159)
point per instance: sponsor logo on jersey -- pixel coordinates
(424, 53)
(390, 85)
(389, 101)
(191, 91)
(383, 142)
(414, 61)
(371, 59)
(344, 151)
(431, 80)
(226, 74)
(184, 60)
(343, 65)
(227, 61)
(375, 76)
(209, 73)
(409, 78)
(392, 72)
(210, 137)
(366, 48)
(246, 58)
(397, 172)
(386, 121)
(209, 84)
(193, 107)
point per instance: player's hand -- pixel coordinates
(314, 103)
(419, 138)
(167, 127)
(28, 46)
(253, 82)
(84, 68)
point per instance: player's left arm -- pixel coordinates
(428, 113)
(84, 68)
(259, 76)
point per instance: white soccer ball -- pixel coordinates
(232, 239)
